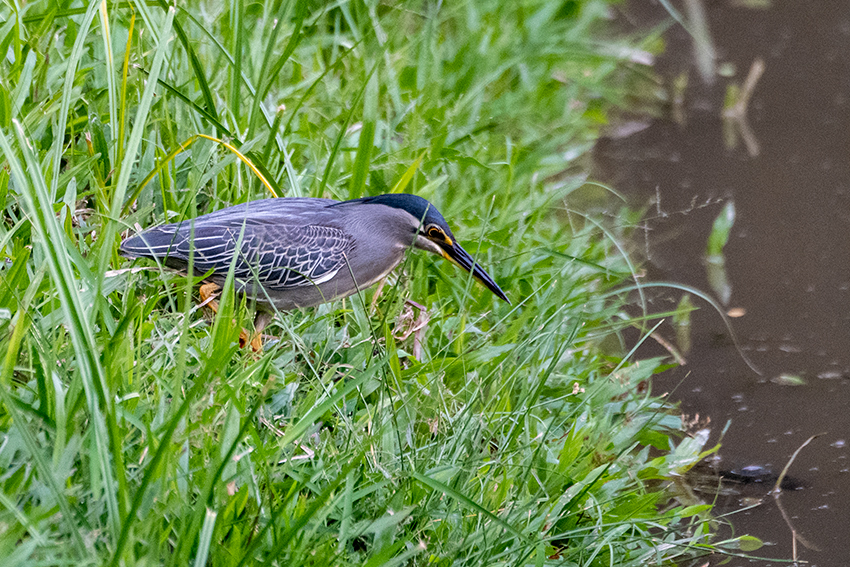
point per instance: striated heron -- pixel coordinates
(299, 252)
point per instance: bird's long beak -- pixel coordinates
(461, 257)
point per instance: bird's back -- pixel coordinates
(163, 242)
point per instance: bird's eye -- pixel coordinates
(435, 233)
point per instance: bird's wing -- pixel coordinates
(277, 256)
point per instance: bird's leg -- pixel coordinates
(245, 338)
(208, 292)
(260, 321)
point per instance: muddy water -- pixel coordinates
(787, 260)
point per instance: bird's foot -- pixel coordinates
(260, 321)
(208, 293)
(256, 341)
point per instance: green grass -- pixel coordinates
(136, 432)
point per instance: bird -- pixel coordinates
(299, 252)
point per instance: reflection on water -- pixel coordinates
(787, 260)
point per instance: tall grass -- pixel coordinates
(370, 431)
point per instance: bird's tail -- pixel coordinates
(152, 243)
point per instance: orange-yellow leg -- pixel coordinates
(208, 292)
(260, 321)
(244, 340)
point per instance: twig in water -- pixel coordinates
(777, 490)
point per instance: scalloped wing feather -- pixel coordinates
(278, 256)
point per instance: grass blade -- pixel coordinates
(122, 107)
(140, 126)
(343, 130)
(236, 9)
(54, 243)
(195, 62)
(111, 86)
(438, 486)
(407, 177)
(205, 539)
(273, 72)
(68, 91)
(367, 139)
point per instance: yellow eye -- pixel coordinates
(436, 233)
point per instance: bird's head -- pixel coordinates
(434, 235)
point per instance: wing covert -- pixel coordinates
(279, 257)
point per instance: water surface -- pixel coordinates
(788, 257)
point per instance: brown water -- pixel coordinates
(788, 258)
